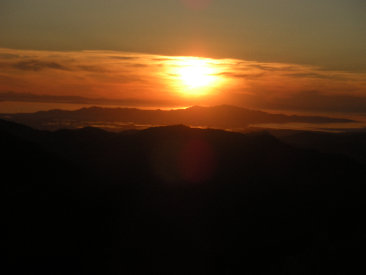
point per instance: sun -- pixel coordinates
(196, 76)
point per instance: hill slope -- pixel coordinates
(176, 200)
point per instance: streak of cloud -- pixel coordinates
(38, 65)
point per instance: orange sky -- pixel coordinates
(137, 79)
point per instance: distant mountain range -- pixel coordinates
(223, 117)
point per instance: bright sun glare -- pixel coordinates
(196, 76)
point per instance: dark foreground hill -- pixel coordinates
(224, 117)
(351, 144)
(176, 200)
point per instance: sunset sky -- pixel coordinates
(278, 55)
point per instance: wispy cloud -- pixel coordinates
(28, 97)
(38, 65)
(8, 56)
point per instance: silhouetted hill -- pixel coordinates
(351, 144)
(224, 117)
(177, 200)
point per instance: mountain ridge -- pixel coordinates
(157, 201)
(220, 116)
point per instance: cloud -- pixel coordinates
(124, 57)
(38, 65)
(317, 101)
(274, 67)
(28, 97)
(243, 75)
(8, 56)
(92, 68)
(305, 101)
(317, 75)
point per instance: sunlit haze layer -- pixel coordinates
(146, 80)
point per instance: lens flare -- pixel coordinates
(197, 161)
(196, 4)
